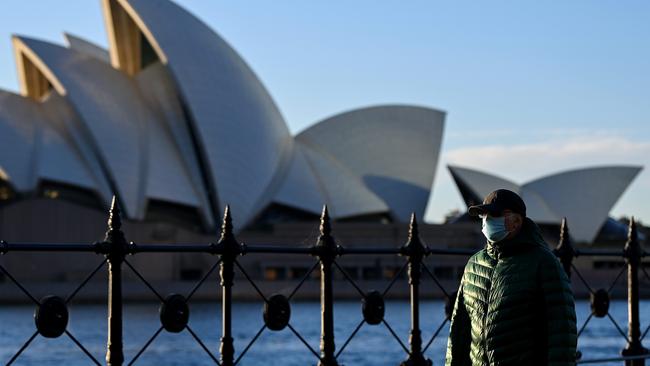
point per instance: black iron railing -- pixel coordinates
(634, 354)
(51, 316)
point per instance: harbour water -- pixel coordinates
(373, 345)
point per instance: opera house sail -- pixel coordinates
(171, 116)
(583, 196)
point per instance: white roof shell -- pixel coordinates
(59, 158)
(391, 150)
(81, 45)
(583, 196)
(108, 105)
(160, 95)
(121, 128)
(32, 149)
(18, 136)
(317, 178)
(241, 135)
(60, 115)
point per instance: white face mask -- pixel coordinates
(494, 228)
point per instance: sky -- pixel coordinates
(530, 88)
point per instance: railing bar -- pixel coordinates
(435, 279)
(347, 277)
(146, 345)
(452, 251)
(623, 268)
(257, 289)
(257, 335)
(85, 281)
(598, 253)
(394, 279)
(144, 281)
(345, 251)
(198, 340)
(618, 327)
(82, 348)
(23, 289)
(345, 344)
(277, 250)
(435, 334)
(390, 329)
(585, 324)
(303, 341)
(582, 278)
(284, 249)
(43, 247)
(207, 248)
(183, 248)
(302, 280)
(200, 283)
(625, 358)
(25, 345)
(645, 333)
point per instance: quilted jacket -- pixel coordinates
(514, 307)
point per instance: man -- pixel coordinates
(514, 304)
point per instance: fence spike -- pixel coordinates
(564, 230)
(227, 231)
(325, 224)
(414, 231)
(114, 215)
(564, 250)
(632, 234)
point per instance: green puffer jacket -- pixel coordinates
(514, 307)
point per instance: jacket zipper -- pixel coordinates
(487, 307)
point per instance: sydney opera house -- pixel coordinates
(583, 196)
(172, 121)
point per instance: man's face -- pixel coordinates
(512, 221)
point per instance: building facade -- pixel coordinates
(174, 123)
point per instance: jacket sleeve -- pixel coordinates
(458, 345)
(560, 314)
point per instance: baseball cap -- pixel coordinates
(497, 201)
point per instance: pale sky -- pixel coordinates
(531, 88)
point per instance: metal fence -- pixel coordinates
(51, 315)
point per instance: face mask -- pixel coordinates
(494, 228)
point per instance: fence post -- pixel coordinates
(633, 252)
(326, 250)
(229, 248)
(415, 250)
(564, 250)
(115, 250)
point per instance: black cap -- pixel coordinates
(497, 201)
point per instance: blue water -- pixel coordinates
(373, 345)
